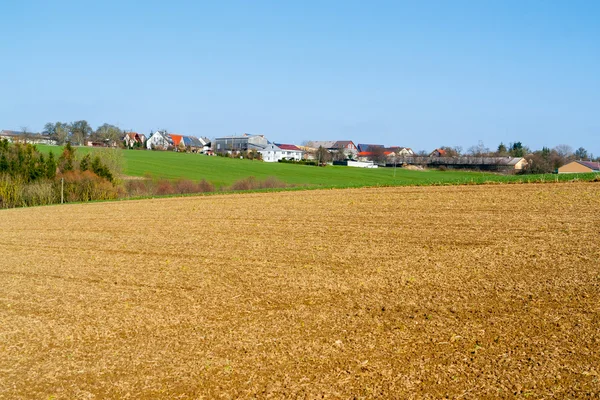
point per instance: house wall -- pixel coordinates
(362, 164)
(520, 165)
(258, 140)
(573, 167)
(274, 154)
(158, 140)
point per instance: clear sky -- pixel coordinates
(421, 74)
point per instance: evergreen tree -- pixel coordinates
(50, 166)
(84, 164)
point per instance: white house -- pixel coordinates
(159, 140)
(275, 152)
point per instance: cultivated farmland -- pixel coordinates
(424, 292)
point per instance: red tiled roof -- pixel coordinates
(176, 139)
(288, 147)
(370, 153)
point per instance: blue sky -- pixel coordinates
(420, 74)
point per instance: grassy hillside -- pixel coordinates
(224, 171)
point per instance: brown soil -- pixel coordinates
(458, 292)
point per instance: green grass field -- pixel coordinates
(224, 171)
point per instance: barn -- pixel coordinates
(578, 167)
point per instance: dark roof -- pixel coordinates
(342, 143)
(594, 166)
(192, 141)
(367, 147)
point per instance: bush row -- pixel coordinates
(160, 187)
(78, 186)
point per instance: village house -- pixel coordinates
(367, 152)
(578, 167)
(438, 153)
(275, 152)
(362, 147)
(132, 138)
(402, 151)
(159, 140)
(245, 142)
(350, 149)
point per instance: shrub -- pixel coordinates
(11, 190)
(164, 187)
(137, 187)
(40, 193)
(86, 186)
(205, 186)
(251, 183)
(272, 183)
(185, 186)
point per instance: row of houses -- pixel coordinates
(29, 137)
(359, 155)
(170, 141)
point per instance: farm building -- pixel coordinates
(575, 167)
(244, 142)
(517, 163)
(275, 152)
(506, 164)
(481, 163)
(26, 137)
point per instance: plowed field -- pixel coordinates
(464, 292)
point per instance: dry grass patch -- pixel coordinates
(432, 292)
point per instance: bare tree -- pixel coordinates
(340, 154)
(109, 133)
(25, 134)
(479, 150)
(80, 131)
(377, 154)
(61, 130)
(450, 151)
(322, 155)
(564, 150)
